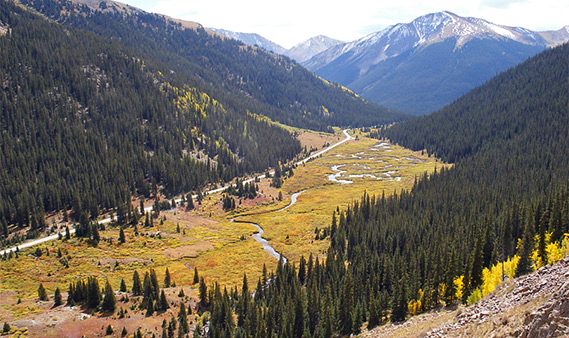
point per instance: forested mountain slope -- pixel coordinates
(111, 101)
(240, 76)
(526, 103)
(506, 195)
(87, 123)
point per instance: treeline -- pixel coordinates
(388, 255)
(87, 123)
(244, 78)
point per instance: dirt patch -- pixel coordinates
(123, 261)
(66, 321)
(316, 140)
(188, 220)
(188, 251)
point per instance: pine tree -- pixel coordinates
(109, 330)
(42, 294)
(477, 264)
(57, 300)
(196, 276)
(302, 270)
(357, 319)
(154, 281)
(122, 287)
(243, 304)
(93, 298)
(525, 263)
(136, 285)
(6, 328)
(163, 303)
(109, 301)
(167, 279)
(183, 319)
(399, 311)
(121, 235)
(374, 316)
(299, 317)
(203, 294)
(124, 332)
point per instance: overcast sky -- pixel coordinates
(288, 22)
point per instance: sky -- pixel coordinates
(292, 21)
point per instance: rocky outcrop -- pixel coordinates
(552, 318)
(540, 300)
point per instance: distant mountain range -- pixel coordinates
(420, 66)
(300, 52)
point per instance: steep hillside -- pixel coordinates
(240, 76)
(511, 106)
(420, 66)
(507, 196)
(86, 123)
(313, 46)
(534, 305)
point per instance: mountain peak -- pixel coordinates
(315, 45)
(251, 39)
(379, 65)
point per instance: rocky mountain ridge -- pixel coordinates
(420, 66)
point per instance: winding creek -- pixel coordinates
(258, 236)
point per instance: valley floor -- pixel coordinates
(207, 239)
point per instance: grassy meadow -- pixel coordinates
(222, 250)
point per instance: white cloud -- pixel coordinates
(292, 21)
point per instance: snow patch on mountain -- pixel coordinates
(307, 49)
(427, 30)
(252, 39)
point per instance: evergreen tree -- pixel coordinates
(122, 286)
(57, 300)
(203, 294)
(183, 319)
(109, 301)
(163, 302)
(6, 328)
(93, 293)
(167, 279)
(525, 263)
(399, 311)
(121, 235)
(136, 285)
(374, 314)
(42, 294)
(196, 275)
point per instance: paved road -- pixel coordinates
(55, 236)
